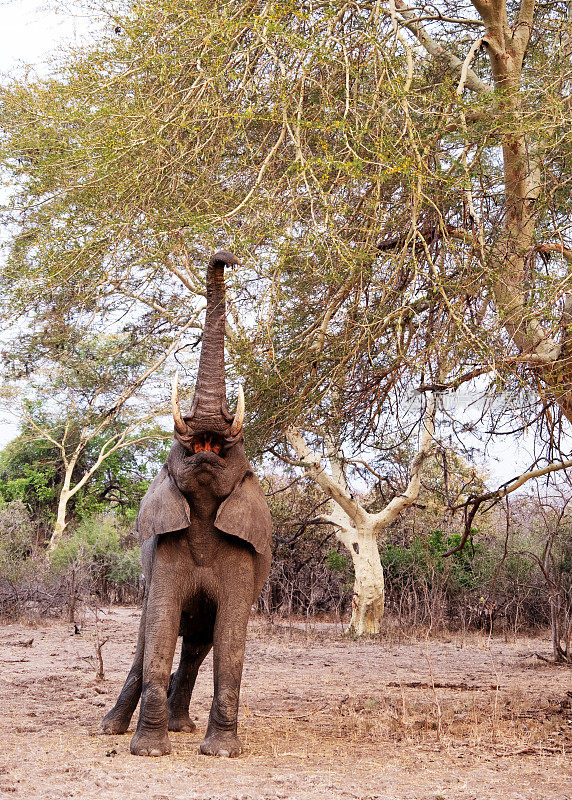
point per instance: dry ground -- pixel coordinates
(322, 716)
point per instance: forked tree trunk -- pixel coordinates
(358, 529)
(507, 260)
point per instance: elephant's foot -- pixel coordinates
(180, 721)
(115, 722)
(145, 743)
(221, 743)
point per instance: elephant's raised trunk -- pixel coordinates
(209, 412)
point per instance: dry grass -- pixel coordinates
(321, 716)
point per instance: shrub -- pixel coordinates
(16, 537)
(103, 555)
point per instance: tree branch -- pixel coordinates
(565, 252)
(313, 466)
(472, 504)
(384, 518)
(473, 82)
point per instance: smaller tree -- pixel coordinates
(91, 386)
(32, 473)
(551, 550)
(29, 475)
(356, 527)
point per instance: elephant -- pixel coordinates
(205, 530)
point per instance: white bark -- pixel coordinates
(113, 444)
(61, 523)
(358, 529)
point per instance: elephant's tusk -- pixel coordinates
(238, 420)
(180, 424)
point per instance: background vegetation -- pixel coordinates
(505, 580)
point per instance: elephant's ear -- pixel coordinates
(163, 509)
(245, 514)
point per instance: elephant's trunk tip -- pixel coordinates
(224, 257)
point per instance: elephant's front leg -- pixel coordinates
(228, 657)
(161, 629)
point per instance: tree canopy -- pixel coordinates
(400, 202)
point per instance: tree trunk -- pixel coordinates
(65, 495)
(358, 529)
(550, 361)
(368, 602)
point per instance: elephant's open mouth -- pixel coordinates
(207, 442)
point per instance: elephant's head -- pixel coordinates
(207, 463)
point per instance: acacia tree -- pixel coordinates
(408, 162)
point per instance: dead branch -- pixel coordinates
(473, 502)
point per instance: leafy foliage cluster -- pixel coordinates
(98, 562)
(31, 471)
(98, 556)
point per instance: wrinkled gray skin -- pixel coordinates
(205, 529)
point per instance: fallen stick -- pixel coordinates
(465, 687)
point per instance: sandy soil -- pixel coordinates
(322, 716)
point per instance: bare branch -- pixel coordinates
(472, 505)
(313, 466)
(565, 252)
(466, 64)
(384, 518)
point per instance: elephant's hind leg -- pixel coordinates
(161, 630)
(182, 683)
(117, 720)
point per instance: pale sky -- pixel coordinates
(30, 30)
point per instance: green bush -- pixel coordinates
(423, 561)
(338, 562)
(103, 549)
